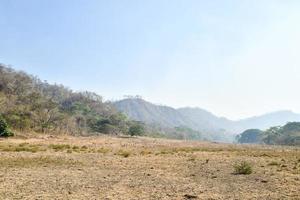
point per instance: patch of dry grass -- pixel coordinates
(59, 147)
(123, 153)
(36, 161)
(22, 147)
(103, 150)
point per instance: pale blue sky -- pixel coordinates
(236, 58)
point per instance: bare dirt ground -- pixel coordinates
(142, 168)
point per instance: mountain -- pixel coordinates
(199, 119)
(270, 119)
(141, 110)
(206, 121)
(190, 123)
(195, 118)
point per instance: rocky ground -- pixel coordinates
(141, 168)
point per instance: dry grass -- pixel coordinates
(36, 161)
(142, 168)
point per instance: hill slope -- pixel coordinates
(29, 104)
(199, 119)
(204, 120)
(141, 110)
(173, 122)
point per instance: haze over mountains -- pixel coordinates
(199, 119)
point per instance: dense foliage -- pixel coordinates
(4, 131)
(29, 104)
(250, 136)
(137, 128)
(288, 134)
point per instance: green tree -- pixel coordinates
(290, 134)
(250, 136)
(137, 128)
(272, 135)
(4, 131)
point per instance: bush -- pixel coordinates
(4, 131)
(243, 168)
(136, 129)
(123, 153)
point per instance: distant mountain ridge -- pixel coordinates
(265, 121)
(199, 119)
(206, 121)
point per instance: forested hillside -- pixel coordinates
(29, 104)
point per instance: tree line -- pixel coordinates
(288, 134)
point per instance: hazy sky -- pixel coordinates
(235, 58)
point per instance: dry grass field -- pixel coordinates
(142, 168)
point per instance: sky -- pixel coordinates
(235, 58)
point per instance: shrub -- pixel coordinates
(243, 168)
(123, 153)
(4, 131)
(136, 129)
(83, 148)
(145, 152)
(103, 150)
